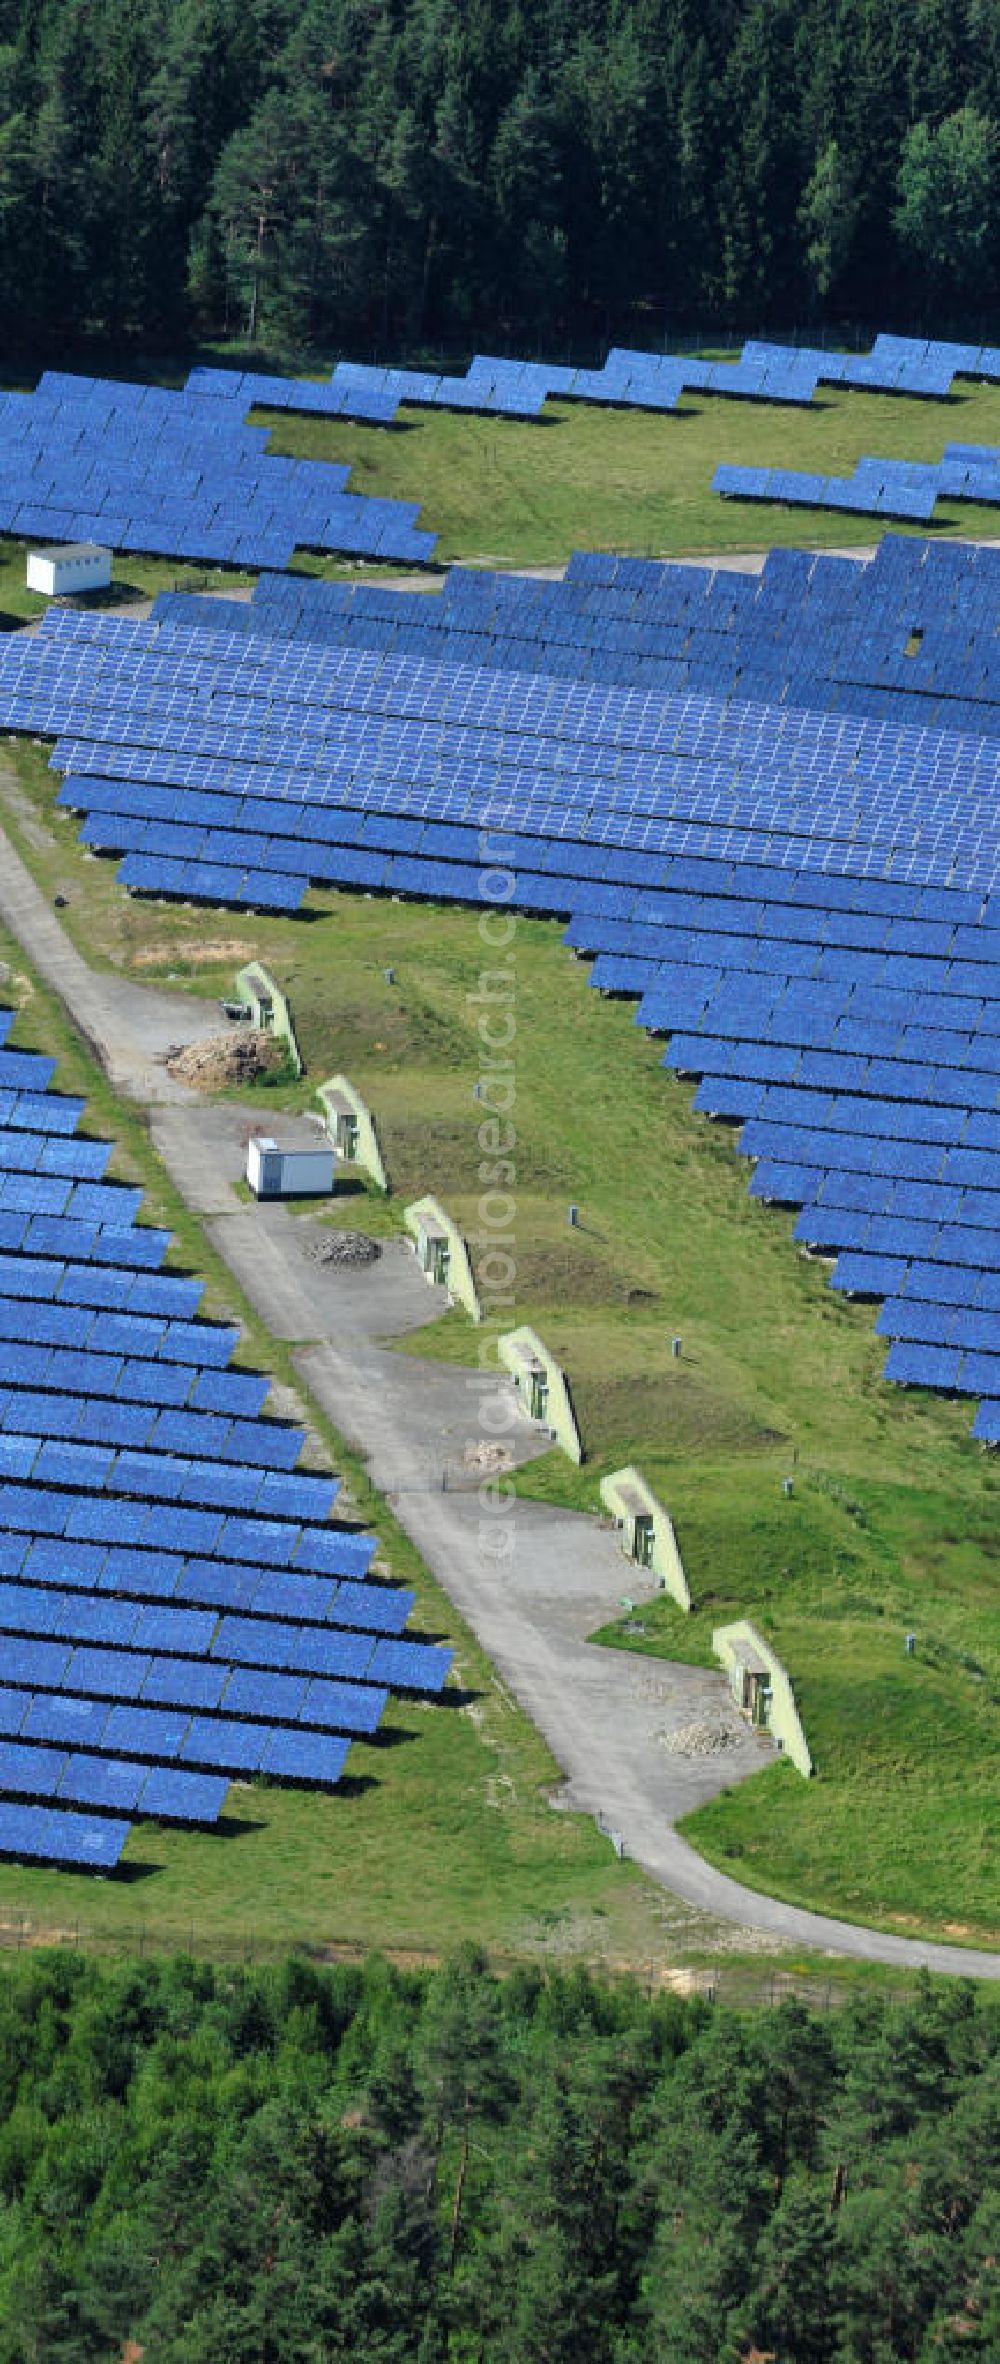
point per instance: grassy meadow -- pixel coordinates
(525, 493)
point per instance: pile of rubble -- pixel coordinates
(709, 1736)
(487, 1458)
(348, 1250)
(240, 1056)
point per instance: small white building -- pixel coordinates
(69, 566)
(273, 1172)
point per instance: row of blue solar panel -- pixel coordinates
(518, 389)
(95, 1676)
(157, 1476)
(155, 1575)
(480, 619)
(85, 1516)
(159, 1739)
(72, 1777)
(48, 1835)
(43, 675)
(146, 1735)
(878, 488)
(683, 787)
(864, 494)
(273, 1445)
(50, 1613)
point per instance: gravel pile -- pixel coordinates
(348, 1250)
(240, 1056)
(705, 1738)
(488, 1457)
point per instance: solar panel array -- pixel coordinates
(149, 1653)
(878, 488)
(628, 380)
(140, 468)
(359, 390)
(909, 635)
(794, 871)
(180, 474)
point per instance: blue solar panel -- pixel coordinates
(143, 1573)
(306, 1757)
(175, 1630)
(329, 1551)
(923, 1366)
(252, 1641)
(214, 1584)
(109, 1621)
(70, 1722)
(29, 1772)
(184, 1682)
(276, 1698)
(341, 1654)
(224, 1745)
(99, 1781)
(31, 1663)
(413, 1666)
(170, 1795)
(305, 1598)
(47, 1835)
(379, 1608)
(343, 1707)
(14, 1705)
(106, 1673)
(25, 1610)
(272, 1543)
(145, 1732)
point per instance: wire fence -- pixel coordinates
(734, 1985)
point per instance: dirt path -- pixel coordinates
(532, 1600)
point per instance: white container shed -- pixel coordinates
(273, 1172)
(69, 566)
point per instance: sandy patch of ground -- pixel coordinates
(208, 952)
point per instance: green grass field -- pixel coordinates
(525, 494)
(892, 1525)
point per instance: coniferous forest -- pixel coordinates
(384, 175)
(302, 2165)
